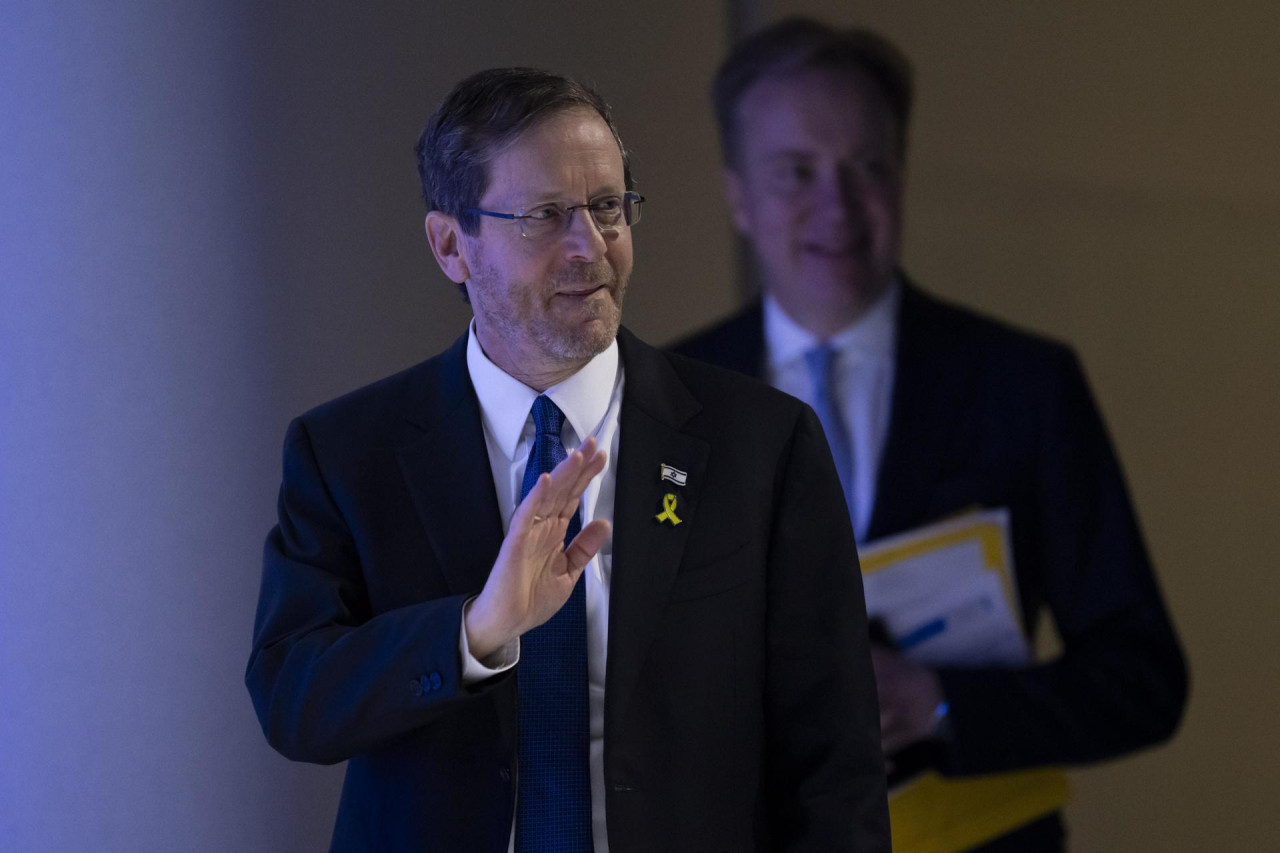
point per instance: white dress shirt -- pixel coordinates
(864, 369)
(591, 400)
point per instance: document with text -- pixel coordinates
(946, 593)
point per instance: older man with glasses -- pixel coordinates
(552, 589)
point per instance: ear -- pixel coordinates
(735, 192)
(445, 236)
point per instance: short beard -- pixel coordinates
(588, 341)
(580, 342)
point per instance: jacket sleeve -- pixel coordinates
(826, 772)
(1120, 682)
(328, 679)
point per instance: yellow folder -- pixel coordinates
(915, 576)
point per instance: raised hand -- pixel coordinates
(534, 572)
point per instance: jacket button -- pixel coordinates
(415, 687)
(505, 773)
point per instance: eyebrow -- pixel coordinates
(534, 199)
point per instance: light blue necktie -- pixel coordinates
(821, 362)
(553, 805)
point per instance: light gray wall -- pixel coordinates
(209, 222)
(135, 470)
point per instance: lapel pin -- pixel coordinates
(674, 475)
(668, 510)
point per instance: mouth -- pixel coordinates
(838, 249)
(581, 292)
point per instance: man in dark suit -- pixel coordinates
(462, 546)
(934, 410)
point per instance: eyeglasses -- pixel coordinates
(609, 213)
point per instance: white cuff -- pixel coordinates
(475, 670)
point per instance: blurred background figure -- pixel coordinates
(932, 410)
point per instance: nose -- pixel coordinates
(583, 239)
(840, 194)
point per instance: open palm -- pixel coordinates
(535, 573)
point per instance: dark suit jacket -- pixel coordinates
(987, 416)
(740, 705)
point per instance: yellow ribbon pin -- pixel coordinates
(668, 510)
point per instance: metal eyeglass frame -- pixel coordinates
(630, 213)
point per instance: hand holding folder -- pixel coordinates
(945, 595)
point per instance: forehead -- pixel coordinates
(570, 153)
(814, 110)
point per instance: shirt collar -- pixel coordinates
(872, 335)
(505, 401)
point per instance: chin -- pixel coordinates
(584, 341)
(855, 284)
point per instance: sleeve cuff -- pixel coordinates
(474, 670)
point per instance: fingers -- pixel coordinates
(594, 461)
(883, 660)
(893, 733)
(890, 744)
(558, 493)
(910, 693)
(586, 545)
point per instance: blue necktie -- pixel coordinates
(553, 806)
(821, 363)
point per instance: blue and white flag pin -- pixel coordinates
(674, 475)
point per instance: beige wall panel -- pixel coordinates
(345, 96)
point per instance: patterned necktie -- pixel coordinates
(553, 806)
(821, 363)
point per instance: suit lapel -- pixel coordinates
(929, 389)
(647, 552)
(446, 467)
(447, 470)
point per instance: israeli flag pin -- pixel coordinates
(674, 475)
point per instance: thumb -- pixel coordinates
(586, 545)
